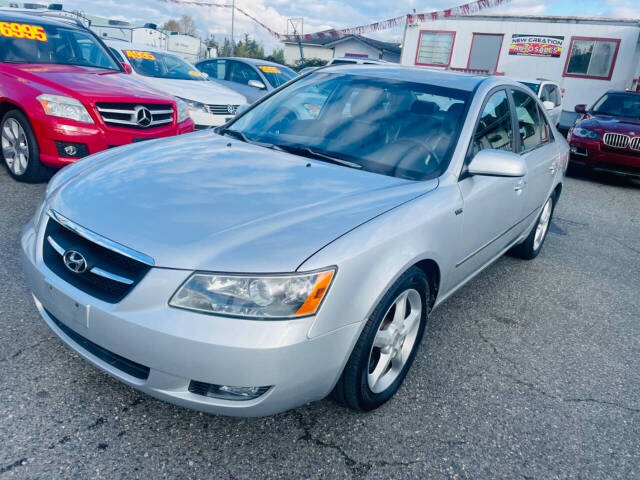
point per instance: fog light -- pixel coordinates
(226, 392)
(71, 150)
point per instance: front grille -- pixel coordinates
(109, 276)
(123, 364)
(635, 143)
(132, 115)
(222, 109)
(616, 140)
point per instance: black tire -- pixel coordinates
(352, 389)
(527, 250)
(35, 171)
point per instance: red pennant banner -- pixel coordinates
(411, 19)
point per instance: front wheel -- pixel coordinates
(530, 248)
(20, 149)
(387, 345)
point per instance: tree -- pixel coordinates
(185, 25)
(276, 56)
(249, 48)
(309, 62)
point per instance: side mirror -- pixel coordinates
(498, 163)
(127, 67)
(242, 108)
(257, 84)
(204, 75)
(548, 105)
(581, 108)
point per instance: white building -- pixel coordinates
(347, 46)
(585, 56)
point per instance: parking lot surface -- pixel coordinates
(531, 371)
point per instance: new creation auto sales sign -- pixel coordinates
(536, 45)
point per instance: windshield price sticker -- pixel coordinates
(139, 55)
(22, 30)
(195, 73)
(269, 69)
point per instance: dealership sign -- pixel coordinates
(536, 45)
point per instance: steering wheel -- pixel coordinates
(409, 160)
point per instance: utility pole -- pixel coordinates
(293, 22)
(233, 18)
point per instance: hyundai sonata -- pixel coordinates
(298, 250)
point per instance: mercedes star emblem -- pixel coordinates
(143, 116)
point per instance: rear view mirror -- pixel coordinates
(548, 105)
(257, 84)
(581, 108)
(498, 163)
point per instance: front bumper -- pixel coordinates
(178, 346)
(204, 120)
(593, 154)
(51, 132)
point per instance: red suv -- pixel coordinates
(607, 137)
(63, 95)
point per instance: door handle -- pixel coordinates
(520, 185)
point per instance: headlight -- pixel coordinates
(249, 296)
(182, 111)
(585, 133)
(193, 106)
(64, 107)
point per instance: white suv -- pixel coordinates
(210, 104)
(549, 93)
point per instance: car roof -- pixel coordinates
(439, 78)
(6, 16)
(251, 61)
(123, 44)
(624, 91)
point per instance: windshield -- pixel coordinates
(391, 127)
(33, 43)
(162, 65)
(533, 86)
(277, 75)
(618, 105)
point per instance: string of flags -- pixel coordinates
(410, 19)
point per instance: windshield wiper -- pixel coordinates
(311, 153)
(242, 137)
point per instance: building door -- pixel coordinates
(485, 51)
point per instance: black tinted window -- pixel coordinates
(215, 69)
(495, 129)
(242, 73)
(529, 124)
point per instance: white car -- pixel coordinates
(549, 93)
(210, 104)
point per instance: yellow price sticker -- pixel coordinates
(195, 73)
(22, 30)
(139, 55)
(269, 69)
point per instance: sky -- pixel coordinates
(323, 14)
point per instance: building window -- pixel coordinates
(435, 48)
(592, 57)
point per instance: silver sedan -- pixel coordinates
(298, 251)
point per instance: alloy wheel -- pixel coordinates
(394, 340)
(15, 146)
(543, 224)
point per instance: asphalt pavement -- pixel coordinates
(531, 371)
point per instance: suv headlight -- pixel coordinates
(585, 133)
(64, 107)
(182, 111)
(254, 296)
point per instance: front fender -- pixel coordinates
(371, 257)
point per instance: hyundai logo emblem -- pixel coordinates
(232, 109)
(74, 261)
(143, 116)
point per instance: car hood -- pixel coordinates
(608, 123)
(206, 202)
(204, 92)
(94, 83)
